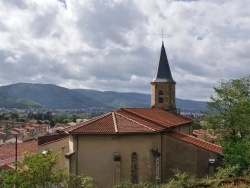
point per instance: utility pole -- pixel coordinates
(15, 134)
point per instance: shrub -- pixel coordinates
(182, 180)
(139, 185)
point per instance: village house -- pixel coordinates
(20, 136)
(22, 130)
(139, 144)
(58, 144)
(8, 151)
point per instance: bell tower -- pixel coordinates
(163, 85)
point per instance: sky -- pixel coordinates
(114, 45)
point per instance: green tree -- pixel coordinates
(48, 116)
(228, 114)
(7, 115)
(39, 171)
(197, 124)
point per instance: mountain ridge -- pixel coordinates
(56, 97)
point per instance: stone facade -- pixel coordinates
(186, 157)
(187, 129)
(109, 160)
(58, 146)
(163, 95)
(96, 156)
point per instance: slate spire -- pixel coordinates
(163, 72)
(163, 85)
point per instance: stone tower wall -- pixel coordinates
(168, 89)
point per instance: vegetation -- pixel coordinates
(185, 180)
(139, 185)
(50, 96)
(10, 116)
(55, 97)
(228, 115)
(197, 124)
(58, 118)
(182, 180)
(12, 102)
(38, 171)
(46, 117)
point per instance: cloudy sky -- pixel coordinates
(115, 44)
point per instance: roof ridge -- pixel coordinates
(143, 117)
(115, 122)
(89, 121)
(134, 121)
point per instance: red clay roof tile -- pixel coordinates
(101, 124)
(196, 141)
(159, 116)
(8, 150)
(128, 125)
(130, 120)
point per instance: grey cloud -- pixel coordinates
(16, 3)
(122, 65)
(113, 45)
(108, 23)
(42, 25)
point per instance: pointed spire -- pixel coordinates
(163, 73)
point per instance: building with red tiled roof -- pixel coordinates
(57, 144)
(139, 144)
(162, 142)
(11, 122)
(133, 121)
(197, 142)
(7, 154)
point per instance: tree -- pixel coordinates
(39, 171)
(228, 114)
(48, 116)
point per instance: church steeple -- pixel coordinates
(163, 85)
(163, 72)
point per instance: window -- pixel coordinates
(133, 167)
(160, 96)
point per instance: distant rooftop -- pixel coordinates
(7, 154)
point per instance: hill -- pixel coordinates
(51, 96)
(131, 99)
(10, 102)
(118, 100)
(56, 97)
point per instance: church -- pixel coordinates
(141, 144)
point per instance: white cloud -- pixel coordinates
(115, 45)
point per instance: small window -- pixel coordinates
(160, 96)
(134, 168)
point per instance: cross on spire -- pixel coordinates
(162, 34)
